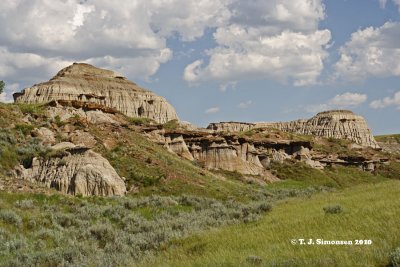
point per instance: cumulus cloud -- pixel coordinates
(348, 99)
(280, 40)
(387, 101)
(245, 104)
(345, 100)
(370, 52)
(9, 89)
(382, 3)
(130, 37)
(212, 110)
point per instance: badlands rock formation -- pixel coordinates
(218, 151)
(249, 155)
(340, 124)
(75, 170)
(85, 86)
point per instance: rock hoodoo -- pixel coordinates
(84, 85)
(340, 124)
(75, 170)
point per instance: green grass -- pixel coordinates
(369, 212)
(141, 121)
(171, 125)
(392, 170)
(338, 176)
(33, 109)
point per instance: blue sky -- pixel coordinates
(220, 60)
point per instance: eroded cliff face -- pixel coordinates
(251, 155)
(85, 85)
(339, 124)
(218, 151)
(75, 170)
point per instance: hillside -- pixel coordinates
(389, 143)
(95, 170)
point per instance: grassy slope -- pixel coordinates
(370, 212)
(393, 138)
(156, 171)
(144, 164)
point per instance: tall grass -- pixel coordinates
(369, 212)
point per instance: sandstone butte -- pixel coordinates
(82, 84)
(339, 124)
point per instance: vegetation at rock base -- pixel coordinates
(171, 125)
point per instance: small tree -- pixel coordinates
(2, 84)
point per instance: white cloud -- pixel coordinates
(130, 36)
(387, 101)
(280, 40)
(345, 100)
(382, 3)
(9, 89)
(315, 108)
(212, 110)
(245, 104)
(371, 52)
(348, 99)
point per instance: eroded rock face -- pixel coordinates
(86, 86)
(339, 124)
(46, 135)
(219, 150)
(76, 170)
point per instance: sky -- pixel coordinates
(219, 60)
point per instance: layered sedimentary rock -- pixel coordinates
(231, 126)
(250, 155)
(218, 151)
(339, 124)
(75, 170)
(87, 87)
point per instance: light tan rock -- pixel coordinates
(83, 138)
(231, 126)
(178, 146)
(83, 83)
(82, 172)
(339, 124)
(46, 135)
(221, 156)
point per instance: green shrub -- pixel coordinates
(8, 157)
(24, 128)
(25, 204)
(171, 125)
(333, 209)
(10, 217)
(395, 258)
(141, 121)
(7, 138)
(34, 109)
(254, 260)
(58, 121)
